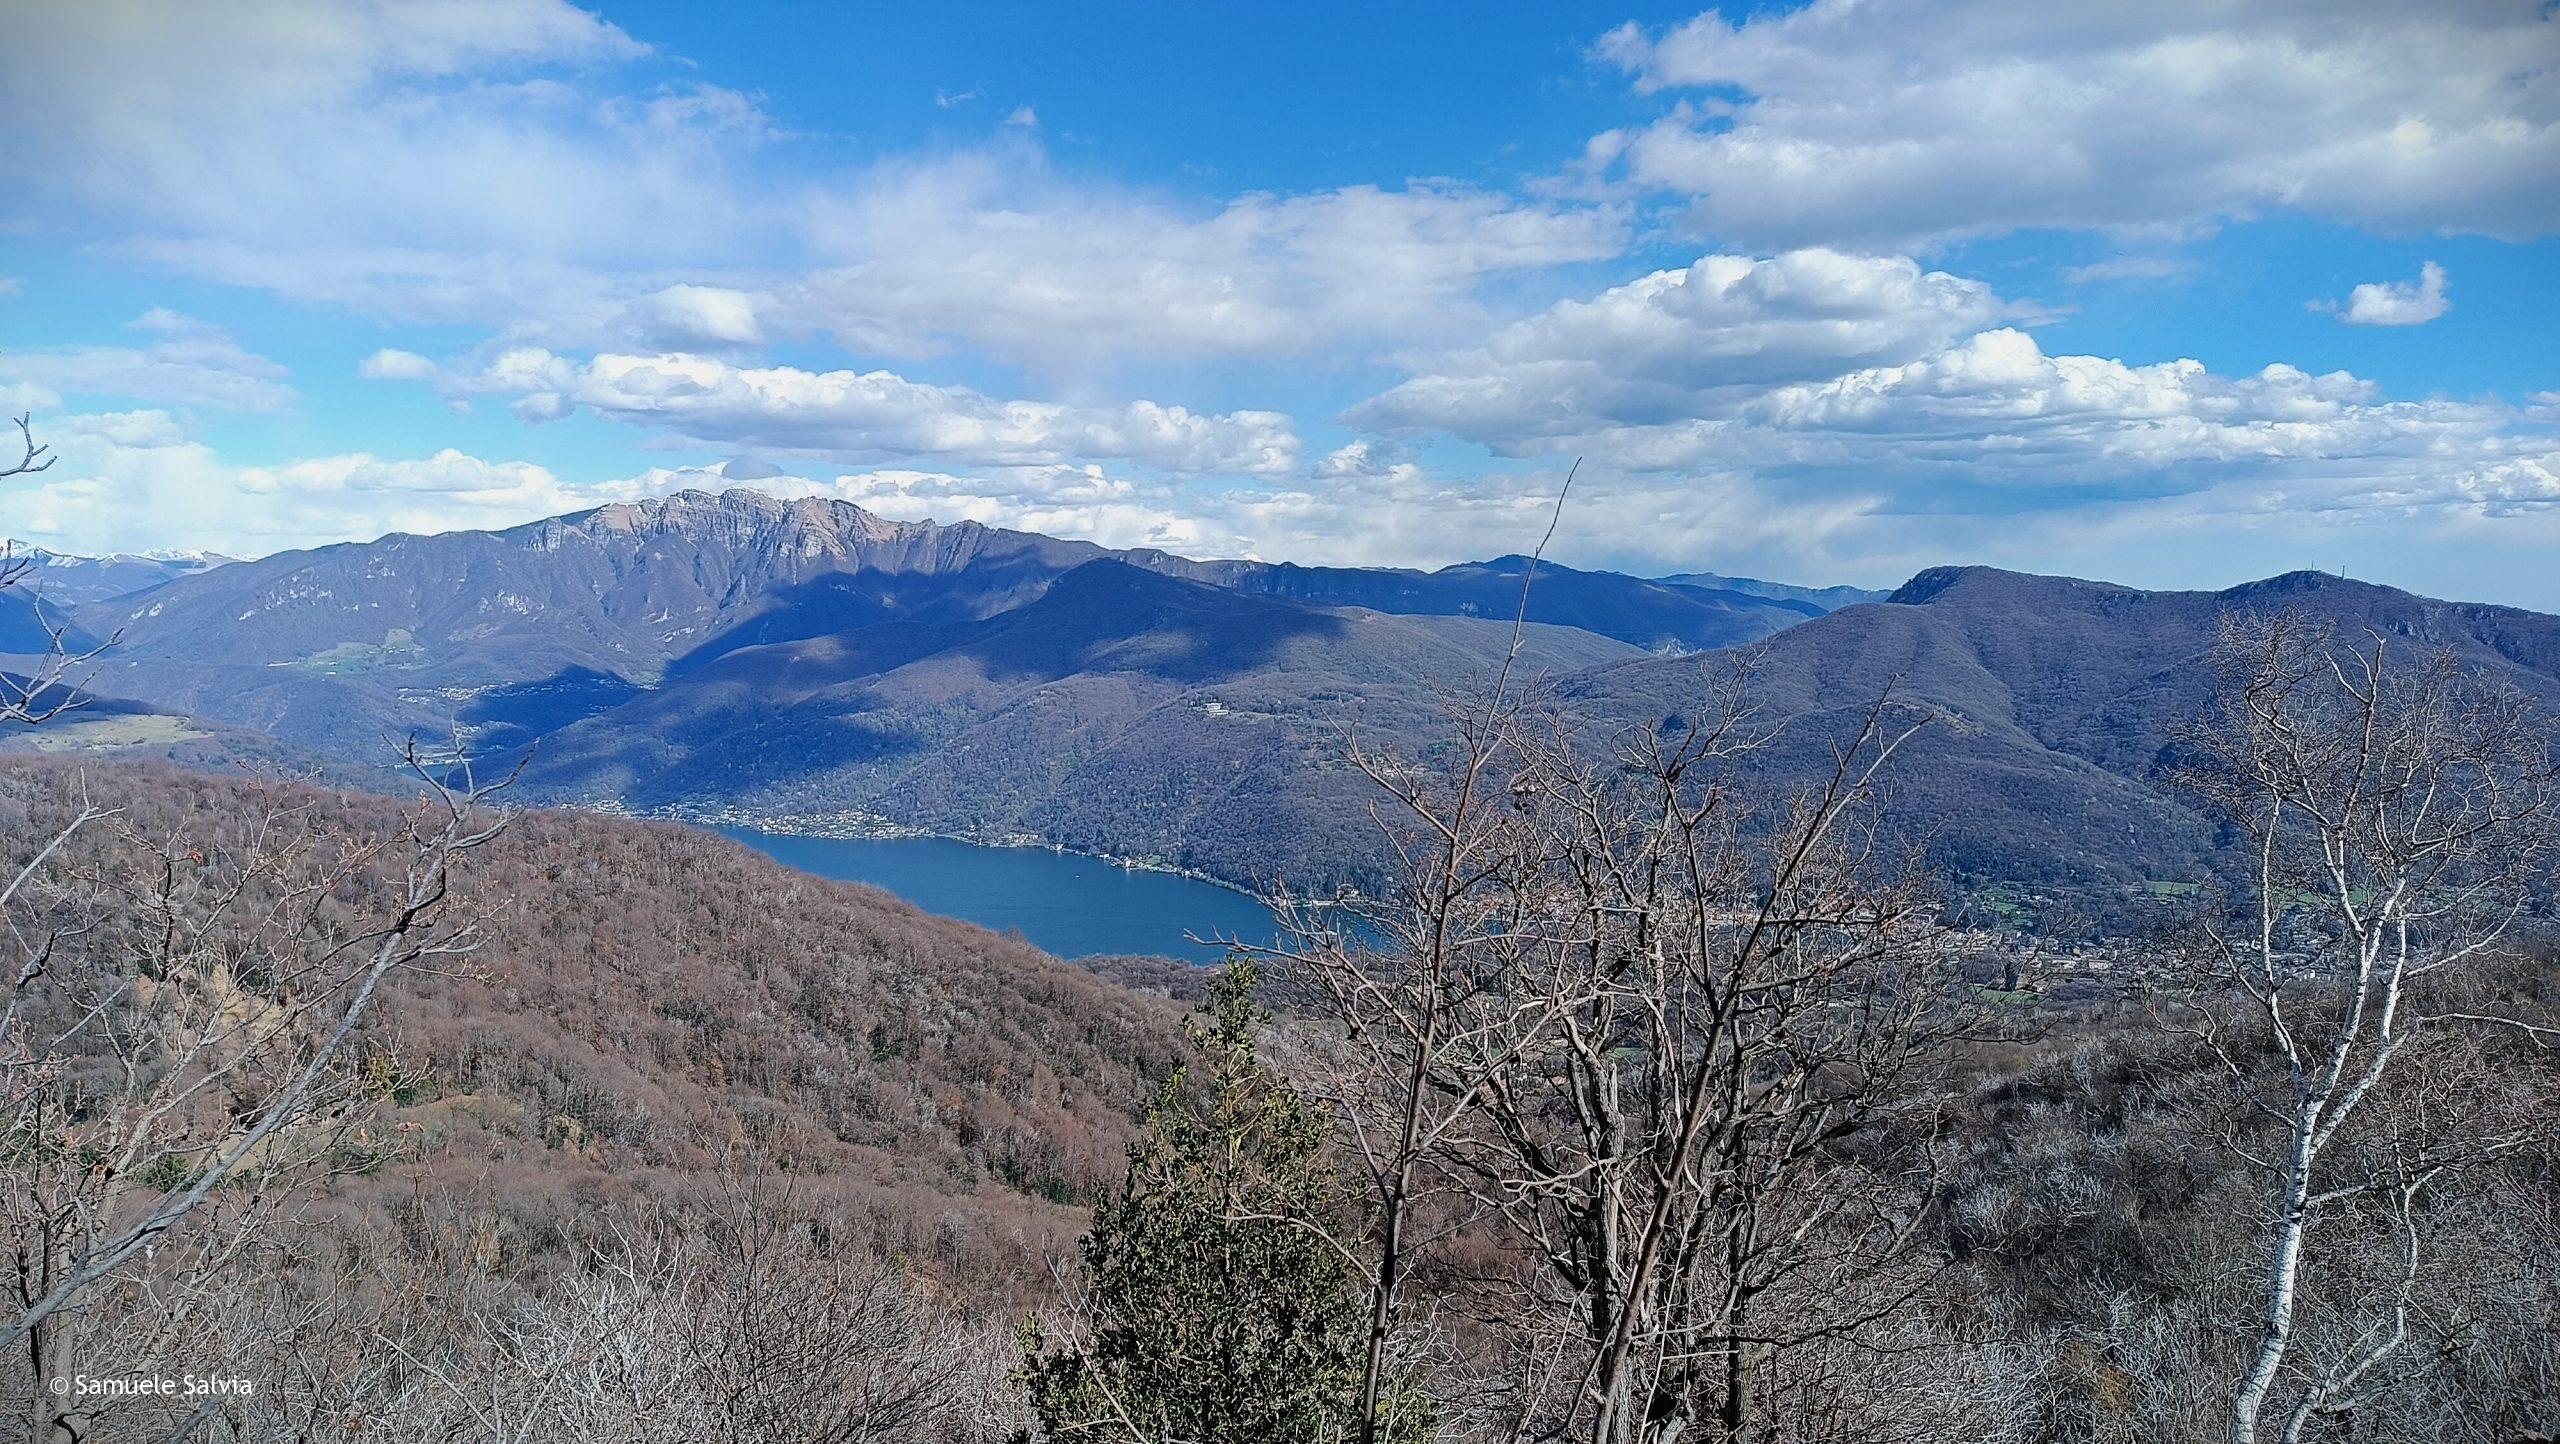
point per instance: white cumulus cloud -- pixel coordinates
(393, 364)
(1898, 121)
(190, 364)
(2397, 303)
(683, 317)
(1686, 343)
(133, 481)
(524, 166)
(851, 415)
(976, 252)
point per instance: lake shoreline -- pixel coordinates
(1068, 903)
(855, 825)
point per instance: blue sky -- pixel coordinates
(2176, 298)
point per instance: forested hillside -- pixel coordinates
(657, 1030)
(2053, 710)
(650, 995)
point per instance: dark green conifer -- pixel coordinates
(1218, 1302)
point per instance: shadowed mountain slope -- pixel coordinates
(29, 623)
(2053, 704)
(406, 632)
(515, 633)
(1124, 712)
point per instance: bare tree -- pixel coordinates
(1419, 986)
(1754, 992)
(31, 698)
(2398, 815)
(37, 458)
(1674, 1040)
(601, 1357)
(185, 1037)
(1420, 1004)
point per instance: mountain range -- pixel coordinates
(68, 580)
(2051, 706)
(46, 584)
(806, 658)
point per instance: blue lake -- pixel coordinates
(1075, 907)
